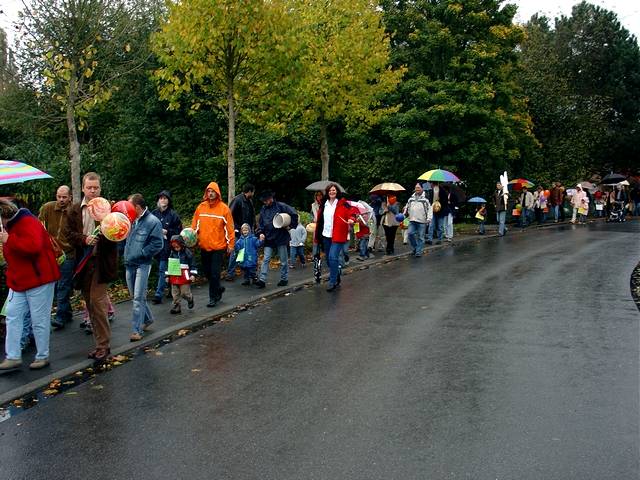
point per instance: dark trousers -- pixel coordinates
(212, 265)
(390, 235)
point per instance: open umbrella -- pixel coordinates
(613, 179)
(439, 175)
(321, 186)
(476, 200)
(588, 186)
(518, 183)
(387, 187)
(363, 208)
(18, 172)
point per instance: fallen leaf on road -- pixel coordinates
(71, 393)
(158, 353)
(18, 403)
(97, 387)
(69, 382)
(183, 332)
(196, 370)
(50, 391)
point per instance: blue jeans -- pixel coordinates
(64, 288)
(525, 219)
(363, 246)
(481, 227)
(297, 252)
(501, 217)
(163, 264)
(283, 253)
(26, 331)
(448, 226)
(38, 302)
(436, 225)
(333, 250)
(416, 236)
(137, 281)
(556, 212)
(231, 267)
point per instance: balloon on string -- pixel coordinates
(98, 208)
(189, 236)
(115, 226)
(126, 207)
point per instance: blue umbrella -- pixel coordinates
(476, 200)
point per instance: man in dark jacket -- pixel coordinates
(96, 269)
(242, 212)
(275, 239)
(171, 225)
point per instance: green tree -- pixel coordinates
(76, 51)
(601, 62)
(222, 54)
(461, 107)
(345, 64)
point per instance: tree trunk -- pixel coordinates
(324, 152)
(74, 145)
(231, 153)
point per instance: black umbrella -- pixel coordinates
(613, 179)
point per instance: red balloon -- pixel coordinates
(547, 193)
(126, 207)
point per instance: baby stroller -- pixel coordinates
(616, 212)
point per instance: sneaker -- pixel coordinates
(292, 266)
(156, 300)
(190, 303)
(260, 284)
(360, 258)
(246, 283)
(88, 329)
(283, 283)
(8, 365)
(175, 309)
(229, 278)
(111, 316)
(147, 326)
(212, 303)
(84, 323)
(135, 337)
(38, 364)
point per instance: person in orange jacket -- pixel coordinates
(214, 224)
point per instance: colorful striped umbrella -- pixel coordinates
(518, 183)
(17, 172)
(439, 175)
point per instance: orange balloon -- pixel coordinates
(547, 193)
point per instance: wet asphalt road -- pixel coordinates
(514, 358)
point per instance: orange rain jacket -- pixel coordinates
(213, 222)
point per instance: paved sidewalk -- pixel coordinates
(69, 347)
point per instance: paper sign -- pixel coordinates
(582, 211)
(599, 206)
(240, 256)
(479, 216)
(173, 267)
(356, 227)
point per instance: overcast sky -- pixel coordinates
(628, 11)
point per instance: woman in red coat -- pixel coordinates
(32, 272)
(334, 219)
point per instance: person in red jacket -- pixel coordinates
(332, 228)
(32, 272)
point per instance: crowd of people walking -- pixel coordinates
(49, 255)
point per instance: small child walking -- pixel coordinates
(362, 231)
(180, 281)
(481, 216)
(246, 249)
(298, 239)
